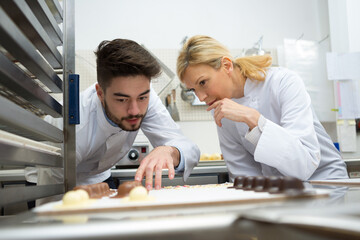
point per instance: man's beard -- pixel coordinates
(119, 122)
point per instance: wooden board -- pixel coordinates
(183, 196)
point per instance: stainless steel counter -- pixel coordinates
(203, 174)
(336, 217)
(339, 217)
(18, 174)
(196, 170)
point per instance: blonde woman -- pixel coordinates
(265, 121)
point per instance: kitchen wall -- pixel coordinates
(345, 32)
(161, 25)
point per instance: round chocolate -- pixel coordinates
(97, 190)
(126, 187)
(259, 183)
(291, 184)
(248, 183)
(272, 184)
(239, 181)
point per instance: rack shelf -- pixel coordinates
(32, 32)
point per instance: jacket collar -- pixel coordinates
(105, 124)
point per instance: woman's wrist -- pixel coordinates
(252, 120)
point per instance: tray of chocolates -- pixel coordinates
(132, 195)
(271, 184)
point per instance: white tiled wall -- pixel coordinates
(86, 66)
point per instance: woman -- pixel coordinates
(266, 124)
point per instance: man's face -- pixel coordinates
(126, 101)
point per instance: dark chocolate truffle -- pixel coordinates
(238, 182)
(272, 184)
(97, 190)
(259, 183)
(291, 184)
(248, 183)
(126, 187)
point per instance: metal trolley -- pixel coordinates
(32, 36)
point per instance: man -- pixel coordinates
(114, 109)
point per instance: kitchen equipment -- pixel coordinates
(186, 95)
(168, 103)
(133, 158)
(256, 49)
(175, 111)
(189, 96)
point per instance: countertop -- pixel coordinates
(334, 217)
(203, 167)
(215, 167)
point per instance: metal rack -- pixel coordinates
(32, 34)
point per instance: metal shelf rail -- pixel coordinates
(32, 34)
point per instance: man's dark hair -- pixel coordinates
(122, 58)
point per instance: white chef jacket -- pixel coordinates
(100, 145)
(292, 142)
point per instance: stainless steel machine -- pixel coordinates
(138, 151)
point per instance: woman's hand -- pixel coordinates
(233, 111)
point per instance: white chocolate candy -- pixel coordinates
(83, 194)
(215, 156)
(138, 193)
(204, 157)
(75, 197)
(208, 157)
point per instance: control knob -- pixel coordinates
(133, 155)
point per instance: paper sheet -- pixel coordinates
(342, 66)
(348, 100)
(307, 58)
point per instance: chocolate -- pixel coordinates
(271, 184)
(248, 183)
(259, 182)
(97, 190)
(239, 181)
(290, 184)
(126, 187)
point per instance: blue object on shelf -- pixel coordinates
(74, 114)
(337, 146)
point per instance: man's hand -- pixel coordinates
(163, 157)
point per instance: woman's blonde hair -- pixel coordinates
(201, 49)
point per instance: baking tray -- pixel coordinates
(341, 182)
(211, 163)
(181, 196)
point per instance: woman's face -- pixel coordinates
(209, 84)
